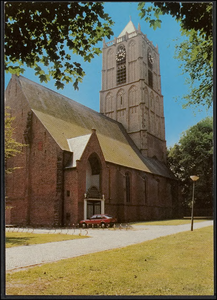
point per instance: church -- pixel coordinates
(78, 162)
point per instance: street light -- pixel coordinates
(193, 178)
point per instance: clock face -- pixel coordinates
(150, 58)
(121, 54)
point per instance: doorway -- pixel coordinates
(93, 208)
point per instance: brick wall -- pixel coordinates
(32, 190)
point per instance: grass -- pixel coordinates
(169, 222)
(179, 264)
(14, 239)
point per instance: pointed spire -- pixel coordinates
(139, 27)
(128, 28)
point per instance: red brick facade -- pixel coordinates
(45, 192)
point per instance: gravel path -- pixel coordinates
(99, 240)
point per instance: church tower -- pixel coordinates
(131, 90)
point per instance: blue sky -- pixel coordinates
(177, 119)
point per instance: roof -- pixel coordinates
(70, 124)
(77, 146)
(129, 28)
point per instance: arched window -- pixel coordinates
(93, 172)
(150, 78)
(120, 99)
(128, 194)
(132, 50)
(150, 60)
(151, 104)
(108, 102)
(132, 96)
(110, 58)
(95, 164)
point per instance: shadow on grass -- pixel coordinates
(18, 241)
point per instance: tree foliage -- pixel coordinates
(191, 15)
(12, 147)
(196, 52)
(46, 35)
(193, 155)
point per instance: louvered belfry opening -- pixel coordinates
(121, 64)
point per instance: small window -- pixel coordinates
(68, 193)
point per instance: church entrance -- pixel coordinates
(93, 203)
(93, 208)
(94, 200)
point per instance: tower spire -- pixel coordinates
(139, 27)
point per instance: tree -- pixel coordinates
(12, 147)
(191, 15)
(195, 53)
(197, 57)
(193, 155)
(45, 35)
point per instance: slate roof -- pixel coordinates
(129, 28)
(70, 124)
(77, 146)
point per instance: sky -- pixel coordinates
(177, 119)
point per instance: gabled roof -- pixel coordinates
(129, 28)
(70, 124)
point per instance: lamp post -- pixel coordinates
(193, 178)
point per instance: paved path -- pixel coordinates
(99, 240)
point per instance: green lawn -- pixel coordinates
(169, 222)
(14, 239)
(179, 264)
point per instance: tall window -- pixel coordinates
(121, 64)
(132, 96)
(150, 78)
(150, 66)
(128, 194)
(108, 102)
(120, 99)
(95, 164)
(93, 175)
(110, 59)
